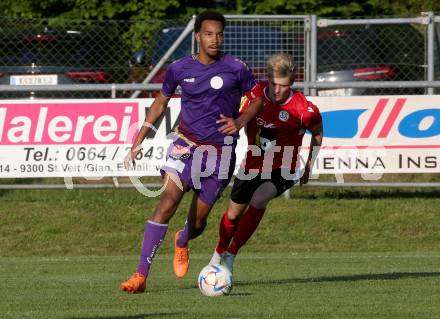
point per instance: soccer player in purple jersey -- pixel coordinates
(212, 85)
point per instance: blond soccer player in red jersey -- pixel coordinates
(276, 133)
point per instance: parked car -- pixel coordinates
(252, 44)
(55, 57)
(350, 53)
(370, 53)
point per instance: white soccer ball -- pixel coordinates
(215, 280)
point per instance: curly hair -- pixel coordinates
(208, 15)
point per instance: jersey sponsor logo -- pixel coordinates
(263, 123)
(283, 116)
(310, 109)
(189, 80)
(216, 82)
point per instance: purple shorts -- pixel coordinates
(205, 169)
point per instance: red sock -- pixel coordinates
(246, 227)
(226, 232)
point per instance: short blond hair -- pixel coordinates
(281, 65)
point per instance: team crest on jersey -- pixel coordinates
(216, 82)
(283, 116)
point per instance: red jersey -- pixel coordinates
(277, 127)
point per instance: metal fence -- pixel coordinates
(336, 56)
(392, 50)
(49, 53)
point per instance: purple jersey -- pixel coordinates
(207, 91)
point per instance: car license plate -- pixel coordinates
(335, 92)
(40, 79)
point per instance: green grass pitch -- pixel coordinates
(267, 286)
(324, 254)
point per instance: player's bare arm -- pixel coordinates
(232, 126)
(315, 144)
(155, 111)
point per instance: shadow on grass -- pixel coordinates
(139, 316)
(368, 194)
(351, 278)
(348, 278)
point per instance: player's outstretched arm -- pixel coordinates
(315, 145)
(155, 111)
(232, 126)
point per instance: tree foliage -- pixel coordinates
(147, 17)
(90, 9)
(163, 9)
(341, 8)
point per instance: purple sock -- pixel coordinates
(153, 236)
(182, 241)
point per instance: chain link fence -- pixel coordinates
(54, 52)
(372, 53)
(255, 39)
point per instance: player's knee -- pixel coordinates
(165, 210)
(233, 215)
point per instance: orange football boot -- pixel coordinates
(135, 284)
(181, 258)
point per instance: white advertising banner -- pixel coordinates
(379, 134)
(90, 138)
